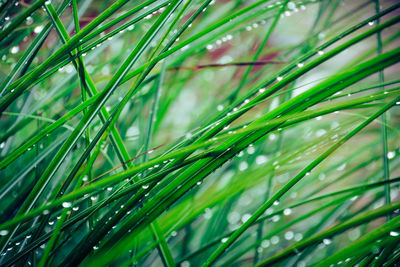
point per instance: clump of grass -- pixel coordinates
(199, 133)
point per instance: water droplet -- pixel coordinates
(341, 167)
(109, 188)
(145, 186)
(93, 198)
(66, 204)
(243, 166)
(298, 237)
(289, 235)
(48, 2)
(327, 241)
(391, 154)
(320, 52)
(276, 218)
(279, 78)
(261, 159)
(84, 54)
(198, 183)
(51, 222)
(393, 233)
(95, 247)
(38, 29)
(370, 23)
(265, 243)
(223, 240)
(3, 232)
(275, 240)
(45, 212)
(300, 65)
(287, 211)
(245, 217)
(14, 49)
(251, 150)
(75, 208)
(291, 5)
(276, 203)
(209, 46)
(220, 107)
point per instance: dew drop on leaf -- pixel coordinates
(393, 233)
(287, 211)
(289, 235)
(274, 240)
(66, 204)
(327, 241)
(3, 232)
(265, 243)
(391, 154)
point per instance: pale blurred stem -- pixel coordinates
(267, 194)
(385, 160)
(84, 94)
(286, 96)
(165, 253)
(234, 94)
